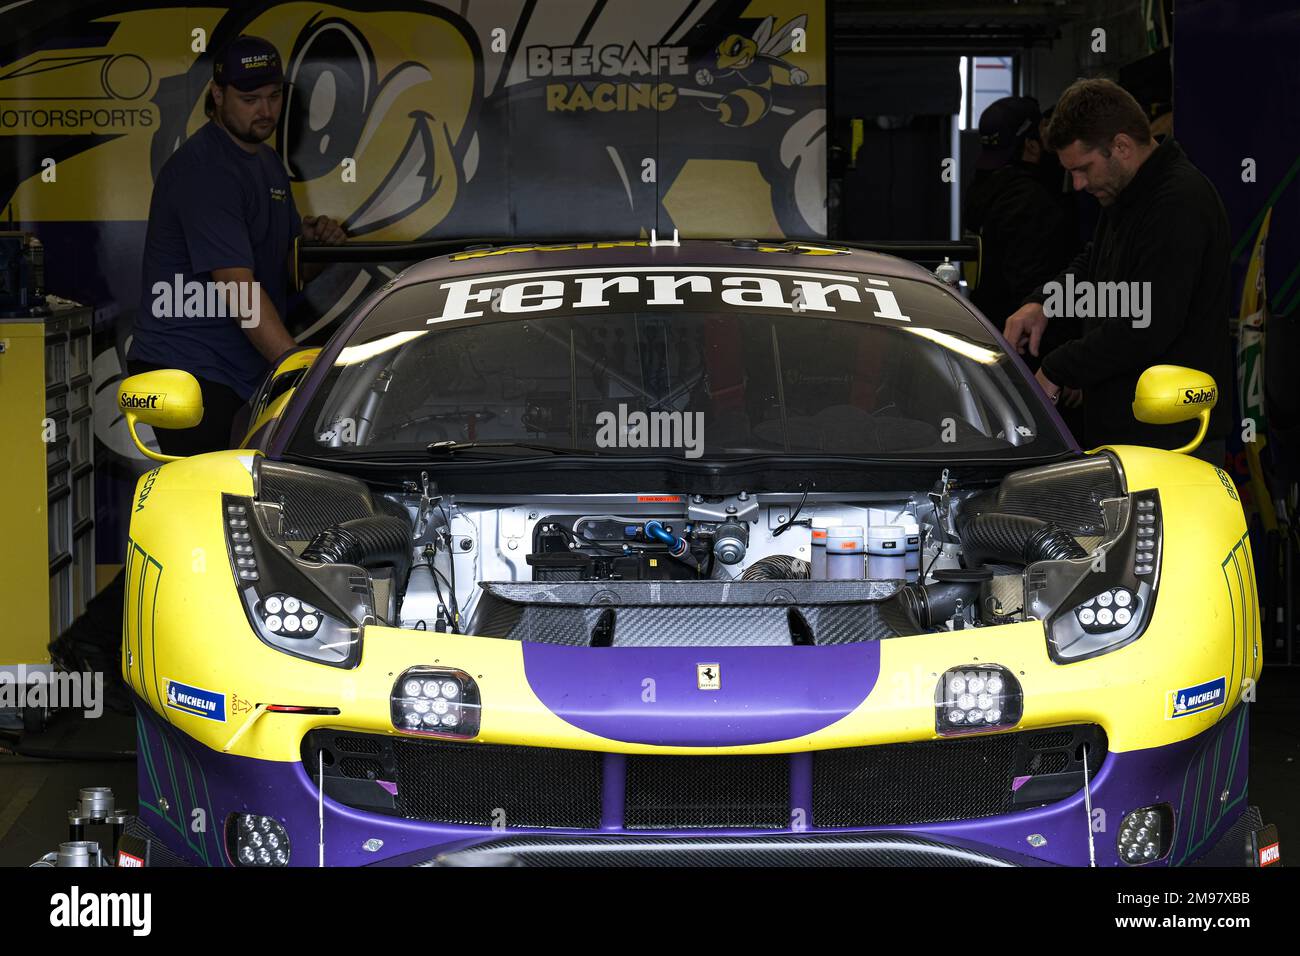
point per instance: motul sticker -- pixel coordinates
(1270, 855)
(128, 859)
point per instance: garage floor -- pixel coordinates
(36, 794)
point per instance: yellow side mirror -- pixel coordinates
(165, 398)
(1167, 394)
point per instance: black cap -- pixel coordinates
(247, 63)
(1005, 124)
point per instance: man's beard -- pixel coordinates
(246, 135)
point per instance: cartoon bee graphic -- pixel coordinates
(754, 65)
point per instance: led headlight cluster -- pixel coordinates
(267, 579)
(255, 840)
(1092, 606)
(241, 542)
(977, 697)
(1110, 610)
(1144, 551)
(285, 615)
(438, 701)
(1144, 834)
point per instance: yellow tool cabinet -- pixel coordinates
(47, 522)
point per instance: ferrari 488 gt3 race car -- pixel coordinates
(716, 552)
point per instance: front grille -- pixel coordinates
(488, 784)
(538, 787)
(359, 768)
(712, 793)
(957, 779)
(913, 783)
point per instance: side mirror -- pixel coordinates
(1168, 394)
(165, 398)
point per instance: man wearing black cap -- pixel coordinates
(221, 224)
(1024, 230)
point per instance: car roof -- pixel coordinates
(742, 253)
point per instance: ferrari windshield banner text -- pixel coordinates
(699, 288)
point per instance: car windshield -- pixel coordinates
(683, 361)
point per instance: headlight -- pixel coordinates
(255, 840)
(1089, 608)
(1145, 834)
(977, 697)
(436, 701)
(286, 607)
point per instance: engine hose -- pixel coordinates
(368, 542)
(677, 545)
(778, 567)
(1015, 539)
(932, 604)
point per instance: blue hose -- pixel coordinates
(677, 545)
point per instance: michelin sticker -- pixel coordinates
(196, 701)
(1194, 700)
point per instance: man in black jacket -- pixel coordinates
(1151, 286)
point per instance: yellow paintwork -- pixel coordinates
(164, 398)
(265, 412)
(1204, 627)
(1167, 394)
(26, 525)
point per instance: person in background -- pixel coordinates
(223, 212)
(1024, 228)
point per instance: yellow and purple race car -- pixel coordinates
(700, 553)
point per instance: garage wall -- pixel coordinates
(496, 118)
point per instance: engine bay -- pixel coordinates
(785, 567)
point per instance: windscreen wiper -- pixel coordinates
(450, 448)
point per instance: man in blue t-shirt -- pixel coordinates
(216, 269)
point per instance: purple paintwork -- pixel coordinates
(766, 693)
(1190, 775)
(1019, 782)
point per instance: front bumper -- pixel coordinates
(1203, 778)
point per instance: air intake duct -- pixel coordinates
(1015, 539)
(777, 567)
(369, 542)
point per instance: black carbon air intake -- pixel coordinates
(1015, 539)
(777, 567)
(368, 542)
